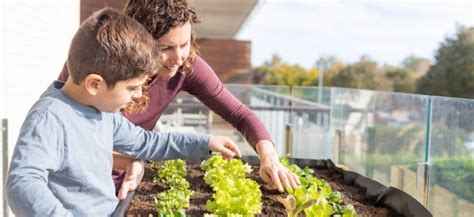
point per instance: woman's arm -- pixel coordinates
(203, 83)
(122, 161)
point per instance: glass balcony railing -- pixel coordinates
(421, 144)
(379, 133)
(311, 134)
(451, 157)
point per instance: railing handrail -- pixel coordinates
(290, 98)
(254, 107)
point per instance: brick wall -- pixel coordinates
(229, 58)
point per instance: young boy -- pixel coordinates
(63, 158)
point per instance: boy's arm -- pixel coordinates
(134, 141)
(39, 151)
(134, 171)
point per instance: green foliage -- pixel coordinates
(314, 196)
(172, 172)
(402, 80)
(172, 202)
(346, 211)
(405, 146)
(446, 141)
(364, 74)
(389, 145)
(218, 169)
(234, 194)
(305, 175)
(278, 73)
(331, 66)
(407, 139)
(292, 208)
(240, 196)
(415, 64)
(453, 72)
(455, 175)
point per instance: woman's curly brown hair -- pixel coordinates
(139, 104)
(158, 17)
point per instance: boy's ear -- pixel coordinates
(94, 83)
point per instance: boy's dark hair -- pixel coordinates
(159, 16)
(113, 46)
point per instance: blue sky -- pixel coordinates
(386, 30)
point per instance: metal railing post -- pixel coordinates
(337, 147)
(422, 181)
(288, 140)
(423, 169)
(4, 162)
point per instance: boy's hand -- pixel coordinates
(133, 175)
(225, 146)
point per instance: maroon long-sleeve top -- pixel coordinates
(202, 83)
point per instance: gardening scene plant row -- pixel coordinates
(219, 187)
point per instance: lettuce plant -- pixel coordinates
(241, 196)
(314, 196)
(234, 195)
(171, 172)
(219, 169)
(172, 202)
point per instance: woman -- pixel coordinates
(170, 22)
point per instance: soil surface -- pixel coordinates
(143, 201)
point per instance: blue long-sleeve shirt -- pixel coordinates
(62, 161)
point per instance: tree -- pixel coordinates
(277, 72)
(364, 74)
(418, 65)
(402, 79)
(330, 66)
(453, 71)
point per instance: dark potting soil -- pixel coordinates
(143, 202)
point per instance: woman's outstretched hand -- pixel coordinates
(272, 171)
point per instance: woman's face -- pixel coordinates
(175, 46)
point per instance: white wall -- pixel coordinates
(35, 37)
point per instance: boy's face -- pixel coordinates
(114, 100)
